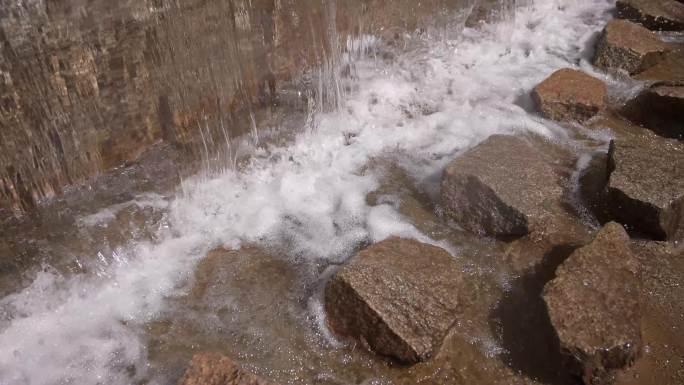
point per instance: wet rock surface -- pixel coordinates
(262, 307)
(660, 109)
(594, 306)
(488, 11)
(669, 71)
(87, 86)
(646, 185)
(570, 95)
(399, 296)
(502, 187)
(629, 47)
(657, 15)
(215, 369)
(662, 323)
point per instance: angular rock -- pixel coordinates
(628, 46)
(646, 185)
(215, 369)
(656, 15)
(570, 95)
(593, 305)
(669, 71)
(660, 109)
(502, 187)
(399, 296)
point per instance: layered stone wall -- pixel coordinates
(86, 85)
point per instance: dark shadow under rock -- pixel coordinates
(660, 109)
(522, 324)
(592, 185)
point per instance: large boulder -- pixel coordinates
(660, 109)
(502, 187)
(593, 305)
(646, 185)
(399, 296)
(570, 95)
(628, 46)
(657, 15)
(215, 369)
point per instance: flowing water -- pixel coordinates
(125, 293)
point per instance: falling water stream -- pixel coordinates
(124, 288)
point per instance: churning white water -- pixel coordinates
(422, 109)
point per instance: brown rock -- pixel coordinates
(657, 15)
(593, 304)
(79, 103)
(569, 95)
(660, 109)
(669, 71)
(646, 185)
(399, 296)
(628, 46)
(662, 309)
(215, 369)
(502, 187)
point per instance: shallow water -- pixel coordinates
(133, 309)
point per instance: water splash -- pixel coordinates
(420, 108)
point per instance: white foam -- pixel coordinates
(425, 109)
(107, 214)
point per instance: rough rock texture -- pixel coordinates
(646, 185)
(628, 46)
(502, 187)
(669, 71)
(593, 304)
(569, 95)
(657, 15)
(399, 296)
(662, 309)
(660, 109)
(215, 369)
(86, 86)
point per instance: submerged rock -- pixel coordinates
(646, 185)
(502, 187)
(488, 11)
(660, 109)
(570, 95)
(399, 296)
(657, 15)
(628, 46)
(593, 304)
(215, 369)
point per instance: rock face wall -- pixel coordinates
(86, 85)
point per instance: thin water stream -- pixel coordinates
(122, 285)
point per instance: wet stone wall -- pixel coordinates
(87, 85)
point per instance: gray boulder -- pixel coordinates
(628, 46)
(400, 297)
(593, 304)
(502, 187)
